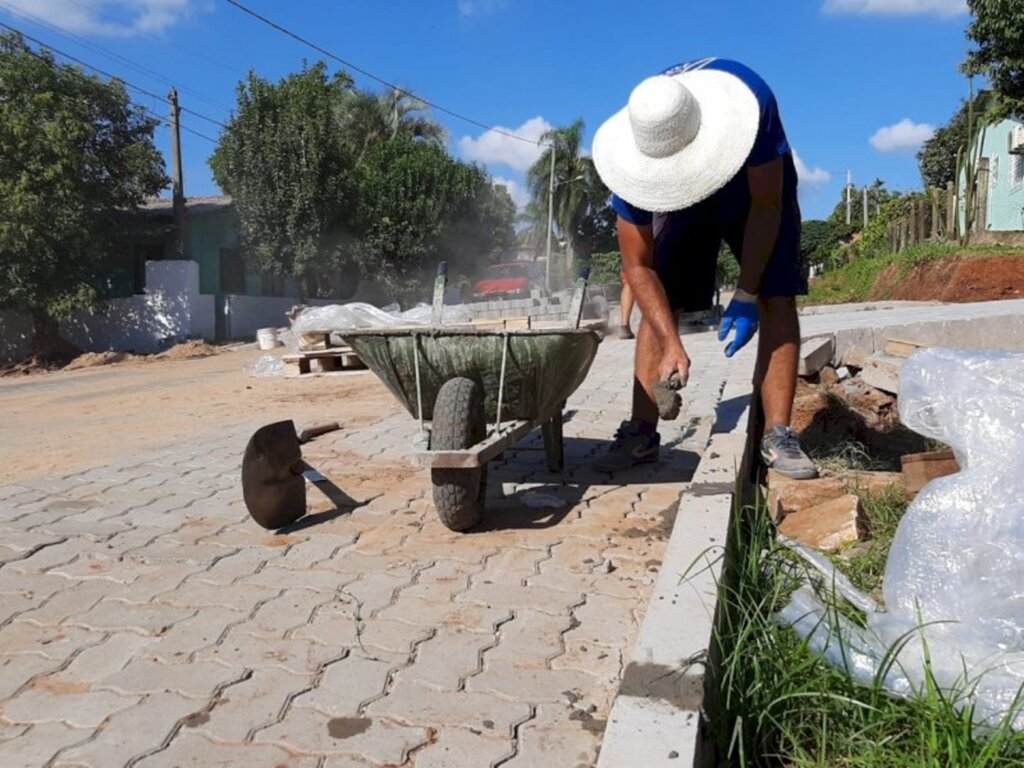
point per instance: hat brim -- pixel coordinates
(729, 121)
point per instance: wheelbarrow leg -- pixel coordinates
(554, 445)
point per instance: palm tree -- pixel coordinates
(578, 190)
(370, 118)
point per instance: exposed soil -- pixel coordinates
(986, 278)
(185, 351)
(852, 416)
(75, 419)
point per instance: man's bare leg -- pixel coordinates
(778, 353)
(625, 310)
(645, 373)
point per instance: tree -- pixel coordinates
(998, 34)
(938, 155)
(285, 161)
(415, 205)
(76, 161)
(370, 118)
(579, 195)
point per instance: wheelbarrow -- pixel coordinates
(476, 393)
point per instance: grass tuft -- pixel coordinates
(775, 704)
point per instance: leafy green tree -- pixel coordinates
(938, 155)
(997, 32)
(285, 162)
(415, 205)
(76, 160)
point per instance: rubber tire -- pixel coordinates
(459, 424)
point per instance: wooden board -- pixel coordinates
(902, 348)
(322, 361)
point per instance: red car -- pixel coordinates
(513, 279)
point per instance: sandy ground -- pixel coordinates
(84, 418)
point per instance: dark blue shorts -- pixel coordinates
(686, 245)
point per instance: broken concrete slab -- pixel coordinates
(882, 372)
(815, 354)
(828, 526)
(787, 496)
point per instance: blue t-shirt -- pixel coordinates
(769, 144)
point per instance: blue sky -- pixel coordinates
(860, 82)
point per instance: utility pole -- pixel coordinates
(865, 207)
(177, 180)
(551, 216)
(849, 202)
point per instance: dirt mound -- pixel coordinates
(96, 359)
(985, 278)
(187, 350)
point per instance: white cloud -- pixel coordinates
(106, 18)
(518, 192)
(811, 176)
(944, 8)
(904, 135)
(469, 8)
(493, 147)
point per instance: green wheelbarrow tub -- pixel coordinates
(543, 366)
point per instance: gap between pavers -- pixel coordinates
(655, 719)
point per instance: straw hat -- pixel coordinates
(680, 139)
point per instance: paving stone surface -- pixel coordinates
(145, 620)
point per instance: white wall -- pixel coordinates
(170, 311)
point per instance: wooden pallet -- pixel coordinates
(322, 361)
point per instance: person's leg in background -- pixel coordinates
(625, 311)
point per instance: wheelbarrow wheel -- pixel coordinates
(459, 424)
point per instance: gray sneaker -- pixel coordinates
(624, 332)
(635, 443)
(781, 451)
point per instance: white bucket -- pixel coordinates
(267, 338)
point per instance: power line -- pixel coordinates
(161, 118)
(172, 44)
(131, 85)
(380, 80)
(97, 48)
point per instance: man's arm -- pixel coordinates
(636, 243)
(762, 227)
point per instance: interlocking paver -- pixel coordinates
(17, 670)
(115, 615)
(462, 747)
(251, 704)
(194, 750)
(290, 610)
(101, 660)
(240, 650)
(447, 658)
(515, 596)
(379, 740)
(568, 747)
(347, 686)
(531, 639)
(130, 733)
(75, 704)
(147, 676)
(530, 684)
(420, 705)
(39, 743)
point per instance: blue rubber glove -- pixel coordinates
(741, 316)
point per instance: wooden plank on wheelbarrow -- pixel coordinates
(479, 454)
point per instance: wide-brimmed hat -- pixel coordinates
(680, 139)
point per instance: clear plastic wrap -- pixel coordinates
(266, 365)
(954, 579)
(356, 315)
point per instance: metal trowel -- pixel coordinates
(272, 482)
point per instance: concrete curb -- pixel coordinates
(656, 719)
